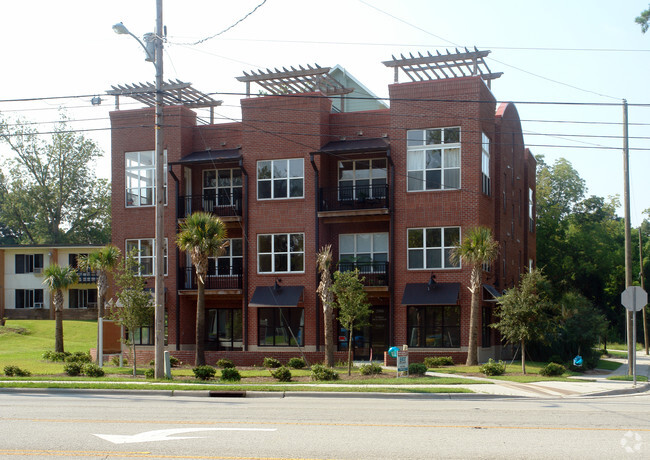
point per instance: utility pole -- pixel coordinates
(631, 346)
(641, 276)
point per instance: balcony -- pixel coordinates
(352, 198)
(232, 279)
(87, 277)
(223, 205)
(375, 274)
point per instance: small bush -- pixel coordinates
(371, 369)
(225, 364)
(438, 361)
(493, 368)
(297, 363)
(115, 361)
(230, 374)
(552, 370)
(150, 373)
(320, 372)
(93, 370)
(271, 363)
(47, 355)
(174, 361)
(15, 371)
(204, 372)
(78, 357)
(417, 369)
(283, 374)
(73, 369)
(557, 359)
(56, 356)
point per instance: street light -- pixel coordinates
(156, 57)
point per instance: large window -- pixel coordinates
(486, 330)
(281, 253)
(531, 210)
(230, 263)
(140, 170)
(280, 179)
(362, 179)
(433, 159)
(145, 255)
(368, 250)
(221, 187)
(82, 298)
(280, 327)
(29, 263)
(430, 248)
(224, 328)
(485, 163)
(434, 327)
(29, 298)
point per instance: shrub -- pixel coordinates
(56, 356)
(150, 373)
(417, 369)
(78, 357)
(557, 359)
(297, 363)
(204, 372)
(320, 372)
(552, 370)
(371, 369)
(174, 361)
(93, 370)
(230, 374)
(115, 360)
(438, 361)
(15, 371)
(283, 374)
(73, 369)
(493, 368)
(271, 363)
(225, 364)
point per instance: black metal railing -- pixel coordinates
(232, 279)
(223, 204)
(87, 277)
(353, 197)
(374, 273)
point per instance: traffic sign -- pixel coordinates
(634, 298)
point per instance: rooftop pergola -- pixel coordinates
(174, 93)
(444, 66)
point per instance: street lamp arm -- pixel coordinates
(121, 29)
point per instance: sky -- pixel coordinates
(567, 65)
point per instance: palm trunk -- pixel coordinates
(329, 336)
(523, 356)
(199, 358)
(472, 347)
(58, 313)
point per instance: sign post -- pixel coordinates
(403, 361)
(633, 299)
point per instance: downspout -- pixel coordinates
(178, 298)
(317, 240)
(391, 266)
(245, 261)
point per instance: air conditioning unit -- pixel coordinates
(38, 304)
(38, 270)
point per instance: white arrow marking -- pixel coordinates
(163, 435)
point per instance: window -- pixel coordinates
(281, 253)
(82, 298)
(140, 170)
(145, 335)
(280, 179)
(430, 248)
(485, 163)
(367, 251)
(146, 254)
(29, 298)
(433, 159)
(221, 187)
(29, 263)
(280, 327)
(486, 330)
(531, 210)
(362, 179)
(73, 260)
(433, 327)
(224, 329)
(230, 263)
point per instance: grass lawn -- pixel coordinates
(629, 378)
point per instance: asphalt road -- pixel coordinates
(48, 424)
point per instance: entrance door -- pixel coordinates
(371, 341)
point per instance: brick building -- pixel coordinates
(393, 190)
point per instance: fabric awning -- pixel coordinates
(269, 296)
(209, 156)
(439, 294)
(493, 294)
(355, 146)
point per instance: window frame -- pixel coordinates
(485, 165)
(274, 254)
(421, 145)
(141, 173)
(236, 337)
(373, 190)
(427, 329)
(232, 188)
(30, 297)
(213, 262)
(140, 257)
(83, 298)
(424, 248)
(277, 324)
(288, 178)
(355, 252)
(30, 263)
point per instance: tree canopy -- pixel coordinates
(642, 19)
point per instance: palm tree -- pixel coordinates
(57, 279)
(202, 235)
(477, 249)
(324, 260)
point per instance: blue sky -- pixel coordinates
(550, 51)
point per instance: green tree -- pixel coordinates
(477, 249)
(352, 304)
(58, 279)
(202, 235)
(102, 262)
(50, 194)
(134, 307)
(324, 262)
(643, 19)
(526, 313)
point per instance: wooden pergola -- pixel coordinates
(444, 66)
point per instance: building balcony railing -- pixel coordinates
(374, 273)
(87, 277)
(231, 280)
(353, 198)
(223, 205)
